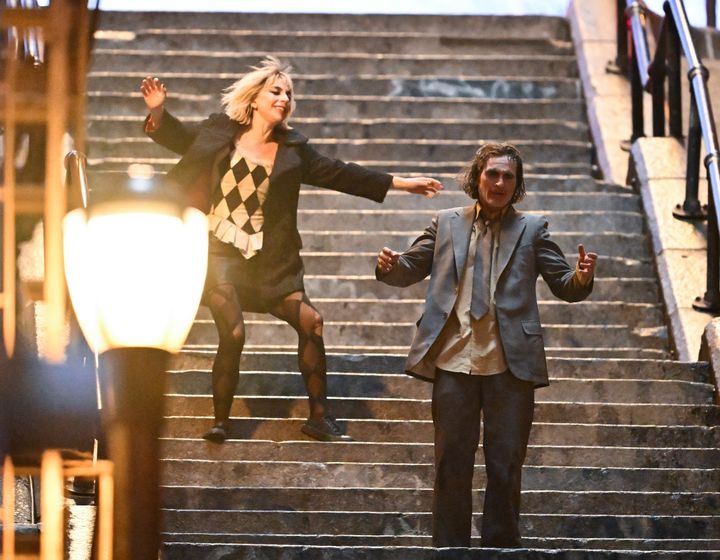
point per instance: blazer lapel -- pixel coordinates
(511, 229)
(460, 226)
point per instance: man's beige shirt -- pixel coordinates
(467, 345)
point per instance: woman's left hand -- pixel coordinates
(426, 186)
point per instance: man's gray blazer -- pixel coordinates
(525, 250)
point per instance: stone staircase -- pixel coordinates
(624, 449)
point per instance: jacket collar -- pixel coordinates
(289, 137)
(511, 227)
(512, 224)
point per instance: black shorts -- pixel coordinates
(259, 283)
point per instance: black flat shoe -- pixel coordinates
(217, 433)
(325, 429)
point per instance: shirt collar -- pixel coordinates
(478, 211)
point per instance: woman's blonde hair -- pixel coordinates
(237, 99)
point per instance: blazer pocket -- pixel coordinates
(532, 327)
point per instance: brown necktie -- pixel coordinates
(480, 302)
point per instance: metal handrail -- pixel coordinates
(698, 77)
(76, 167)
(650, 77)
(640, 48)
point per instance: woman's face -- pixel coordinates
(272, 103)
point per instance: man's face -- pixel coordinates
(497, 183)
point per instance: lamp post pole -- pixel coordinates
(135, 262)
(132, 387)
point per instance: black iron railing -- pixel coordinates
(650, 75)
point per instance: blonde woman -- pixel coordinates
(244, 168)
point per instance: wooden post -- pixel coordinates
(55, 198)
(8, 510)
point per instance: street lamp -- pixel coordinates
(135, 263)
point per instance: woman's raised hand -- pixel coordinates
(154, 92)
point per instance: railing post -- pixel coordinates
(691, 208)
(710, 11)
(658, 100)
(710, 302)
(620, 64)
(638, 126)
(673, 75)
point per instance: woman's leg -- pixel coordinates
(299, 313)
(297, 310)
(226, 312)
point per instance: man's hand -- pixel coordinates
(387, 259)
(585, 268)
(426, 186)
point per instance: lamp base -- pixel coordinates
(132, 382)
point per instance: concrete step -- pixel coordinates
(433, 150)
(351, 262)
(323, 199)
(117, 126)
(319, 62)
(571, 184)
(410, 453)
(499, 27)
(247, 40)
(372, 84)
(536, 183)
(388, 548)
(605, 242)
(129, 103)
(642, 290)
(381, 523)
(420, 500)
(373, 333)
(551, 312)
(399, 386)
(418, 219)
(595, 352)
(377, 475)
(277, 429)
(559, 368)
(398, 167)
(582, 411)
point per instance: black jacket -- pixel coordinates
(203, 145)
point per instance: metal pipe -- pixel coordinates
(691, 208)
(637, 93)
(673, 76)
(710, 301)
(710, 13)
(640, 48)
(76, 167)
(658, 102)
(620, 64)
(698, 76)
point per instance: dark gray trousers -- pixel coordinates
(506, 404)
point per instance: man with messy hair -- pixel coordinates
(480, 341)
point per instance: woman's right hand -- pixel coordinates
(154, 92)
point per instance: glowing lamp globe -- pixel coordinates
(135, 263)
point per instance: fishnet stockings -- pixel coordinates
(296, 310)
(226, 312)
(301, 315)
